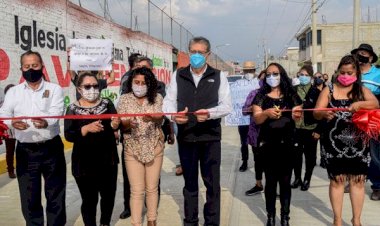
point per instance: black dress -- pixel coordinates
(277, 131)
(344, 151)
(94, 161)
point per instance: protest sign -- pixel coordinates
(239, 92)
(91, 54)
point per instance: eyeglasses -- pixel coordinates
(195, 51)
(88, 87)
(273, 74)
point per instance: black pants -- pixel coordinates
(304, 144)
(208, 154)
(90, 186)
(243, 132)
(278, 169)
(126, 185)
(10, 145)
(259, 164)
(47, 160)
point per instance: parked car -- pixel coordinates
(233, 78)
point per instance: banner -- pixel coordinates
(91, 54)
(239, 92)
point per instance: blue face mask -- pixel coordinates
(304, 80)
(197, 60)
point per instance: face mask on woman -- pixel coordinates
(318, 81)
(273, 80)
(304, 79)
(91, 94)
(139, 91)
(346, 80)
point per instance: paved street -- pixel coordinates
(308, 208)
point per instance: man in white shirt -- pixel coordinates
(39, 150)
(204, 90)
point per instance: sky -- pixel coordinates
(241, 29)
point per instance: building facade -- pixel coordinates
(333, 42)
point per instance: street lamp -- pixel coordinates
(216, 53)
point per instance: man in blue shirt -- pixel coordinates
(371, 80)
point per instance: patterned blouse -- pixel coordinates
(142, 140)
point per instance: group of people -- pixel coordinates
(280, 133)
(200, 95)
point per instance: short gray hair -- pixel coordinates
(143, 58)
(202, 40)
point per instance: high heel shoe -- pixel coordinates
(296, 183)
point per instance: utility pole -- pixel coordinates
(355, 40)
(314, 35)
(171, 24)
(105, 9)
(148, 17)
(131, 14)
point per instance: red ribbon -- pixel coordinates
(368, 121)
(3, 131)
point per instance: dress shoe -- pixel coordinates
(375, 196)
(297, 182)
(125, 214)
(347, 188)
(271, 220)
(285, 220)
(178, 170)
(243, 166)
(11, 174)
(305, 185)
(152, 223)
(254, 190)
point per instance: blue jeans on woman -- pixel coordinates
(374, 168)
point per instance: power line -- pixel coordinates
(304, 21)
(265, 21)
(278, 23)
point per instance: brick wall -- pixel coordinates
(47, 25)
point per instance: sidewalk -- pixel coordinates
(308, 208)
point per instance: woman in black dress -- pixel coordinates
(275, 137)
(94, 157)
(347, 157)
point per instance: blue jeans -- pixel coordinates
(374, 168)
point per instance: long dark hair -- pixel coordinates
(150, 81)
(356, 91)
(286, 87)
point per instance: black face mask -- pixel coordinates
(363, 59)
(32, 75)
(318, 81)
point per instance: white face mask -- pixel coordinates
(249, 76)
(91, 94)
(139, 91)
(273, 81)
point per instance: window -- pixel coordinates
(319, 66)
(319, 37)
(302, 44)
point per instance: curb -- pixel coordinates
(3, 164)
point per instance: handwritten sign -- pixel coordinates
(91, 54)
(239, 92)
